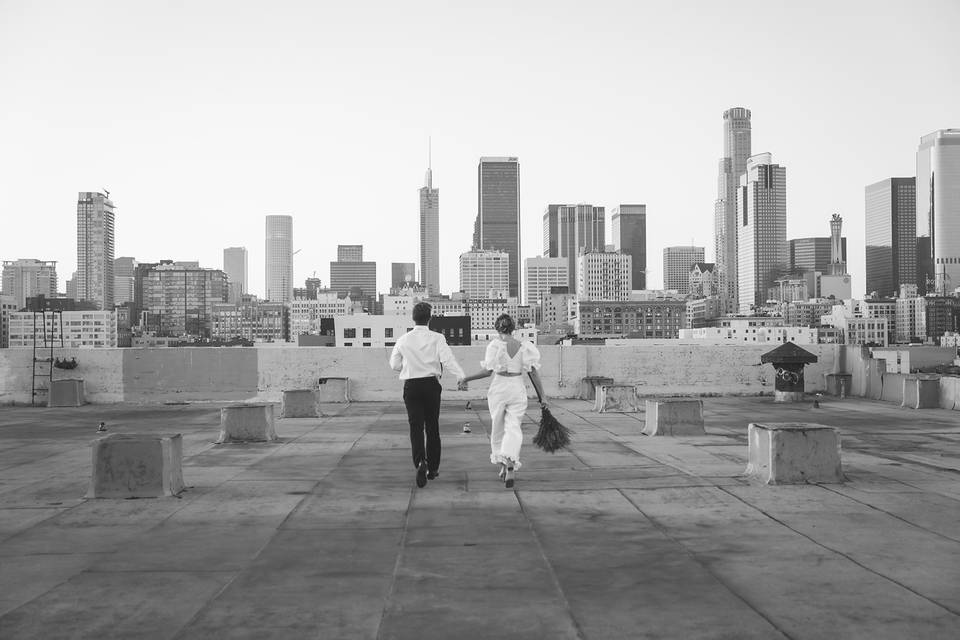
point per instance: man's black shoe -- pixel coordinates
(432, 475)
(422, 474)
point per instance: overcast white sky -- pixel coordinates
(203, 117)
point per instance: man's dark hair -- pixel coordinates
(421, 313)
(504, 324)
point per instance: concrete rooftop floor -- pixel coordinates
(324, 535)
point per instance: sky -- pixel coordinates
(203, 117)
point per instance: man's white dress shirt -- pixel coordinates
(421, 353)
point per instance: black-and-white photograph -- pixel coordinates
(480, 320)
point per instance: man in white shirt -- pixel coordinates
(420, 356)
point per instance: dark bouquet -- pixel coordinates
(552, 436)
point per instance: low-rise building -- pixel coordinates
(251, 319)
(702, 311)
(306, 314)
(857, 330)
(365, 330)
(79, 329)
(630, 318)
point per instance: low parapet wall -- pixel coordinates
(871, 380)
(236, 374)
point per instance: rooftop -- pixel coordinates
(324, 534)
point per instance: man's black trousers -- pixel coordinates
(422, 398)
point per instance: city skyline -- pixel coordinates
(164, 126)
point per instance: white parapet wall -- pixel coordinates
(248, 374)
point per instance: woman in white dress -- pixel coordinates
(507, 360)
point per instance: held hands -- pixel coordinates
(462, 384)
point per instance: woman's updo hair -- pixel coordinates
(504, 324)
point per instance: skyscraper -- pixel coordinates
(497, 226)
(677, 263)
(891, 235)
(235, 266)
(569, 229)
(762, 254)
(630, 237)
(279, 259)
(938, 204)
(124, 269)
(737, 134)
(95, 220)
(430, 234)
(813, 254)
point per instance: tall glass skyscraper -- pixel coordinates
(95, 224)
(630, 237)
(235, 266)
(762, 254)
(279, 259)
(569, 229)
(891, 235)
(938, 204)
(497, 226)
(430, 235)
(737, 134)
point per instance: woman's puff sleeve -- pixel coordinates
(531, 357)
(492, 360)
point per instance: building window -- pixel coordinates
(366, 332)
(388, 332)
(350, 333)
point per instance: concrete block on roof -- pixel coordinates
(617, 398)
(247, 423)
(136, 466)
(67, 392)
(334, 389)
(299, 403)
(674, 417)
(793, 453)
(921, 391)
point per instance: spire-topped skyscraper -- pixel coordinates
(430, 231)
(737, 134)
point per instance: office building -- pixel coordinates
(350, 275)
(497, 226)
(762, 254)
(26, 278)
(429, 234)
(124, 270)
(95, 245)
(677, 263)
(485, 274)
(279, 258)
(484, 312)
(235, 266)
(629, 230)
(603, 275)
(938, 204)
(403, 274)
(813, 254)
(177, 298)
(737, 135)
(556, 311)
(543, 274)
(569, 229)
(891, 235)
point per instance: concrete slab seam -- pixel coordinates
(546, 562)
(666, 533)
(892, 515)
(842, 554)
(402, 545)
